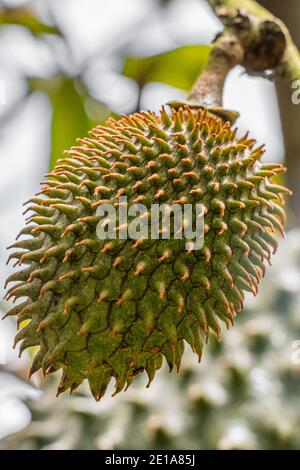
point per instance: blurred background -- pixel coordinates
(66, 66)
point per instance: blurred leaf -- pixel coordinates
(49, 86)
(24, 16)
(74, 111)
(97, 111)
(179, 67)
(69, 119)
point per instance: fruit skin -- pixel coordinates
(100, 309)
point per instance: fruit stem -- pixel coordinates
(208, 89)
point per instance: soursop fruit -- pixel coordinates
(101, 309)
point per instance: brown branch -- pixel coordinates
(208, 89)
(252, 37)
(266, 39)
(207, 92)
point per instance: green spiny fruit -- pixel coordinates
(99, 309)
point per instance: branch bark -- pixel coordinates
(266, 35)
(226, 53)
(252, 37)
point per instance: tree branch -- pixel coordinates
(207, 92)
(264, 30)
(253, 38)
(226, 53)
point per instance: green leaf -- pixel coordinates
(74, 111)
(69, 120)
(24, 16)
(179, 67)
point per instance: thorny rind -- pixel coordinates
(102, 309)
